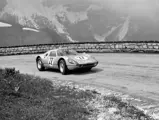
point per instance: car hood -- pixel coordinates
(82, 58)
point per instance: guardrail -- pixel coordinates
(93, 47)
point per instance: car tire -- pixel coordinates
(62, 67)
(40, 65)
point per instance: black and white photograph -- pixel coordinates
(79, 59)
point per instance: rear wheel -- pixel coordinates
(40, 65)
(62, 67)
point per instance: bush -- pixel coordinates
(10, 80)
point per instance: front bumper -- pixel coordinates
(79, 66)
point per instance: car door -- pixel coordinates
(45, 59)
(51, 59)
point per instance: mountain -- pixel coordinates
(24, 22)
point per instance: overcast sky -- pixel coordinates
(133, 7)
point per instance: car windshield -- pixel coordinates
(63, 52)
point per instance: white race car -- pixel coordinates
(65, 59)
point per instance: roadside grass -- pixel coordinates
(26, 97)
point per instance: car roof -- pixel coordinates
(58, 49)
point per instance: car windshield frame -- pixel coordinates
(65, 52)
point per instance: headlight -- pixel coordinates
(71, 61)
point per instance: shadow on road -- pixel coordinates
(84, 72)
(52, 70)
(78, 72)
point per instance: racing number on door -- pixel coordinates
(51, 61)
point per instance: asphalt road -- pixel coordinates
(134, 74)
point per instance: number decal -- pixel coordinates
(51, 61)
(81, 57)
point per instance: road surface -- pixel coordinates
(135, 74)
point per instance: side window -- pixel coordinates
(46, 54)
(59, 53)
(52, 54)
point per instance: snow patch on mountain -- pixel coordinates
(70, 39)
(73, 17)
(99, 38)
(76, 17)
(102, 38)
(124, 30)
(5, 25)
(30, 29)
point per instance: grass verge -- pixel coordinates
(26, 97)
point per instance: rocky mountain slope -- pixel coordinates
(52, 21)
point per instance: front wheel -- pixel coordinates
(62, 67)
(40, 65)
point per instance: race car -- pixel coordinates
(65, 59)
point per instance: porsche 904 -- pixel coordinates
(65, 59)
